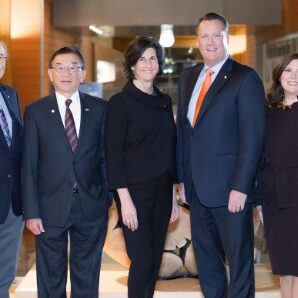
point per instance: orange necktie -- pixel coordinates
(205, 86)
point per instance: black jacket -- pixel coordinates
(140, 137)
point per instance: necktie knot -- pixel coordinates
(209, 73)
(68, 102)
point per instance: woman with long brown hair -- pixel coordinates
(280, 175)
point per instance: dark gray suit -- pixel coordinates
(11, 221)
(221, 153)
(49, 171)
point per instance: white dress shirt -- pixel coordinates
(75, 108)
(198, 86)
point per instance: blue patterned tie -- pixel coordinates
(70, 126)
(4, 127)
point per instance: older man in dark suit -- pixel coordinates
(64, 181)
(220, 136)
(11, 219)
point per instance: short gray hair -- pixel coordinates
(3, 44)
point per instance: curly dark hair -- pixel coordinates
(136, 49)
(276, 92)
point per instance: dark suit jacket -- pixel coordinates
(222, 151)
(10, 158)
(49, 167)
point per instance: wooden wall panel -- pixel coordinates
(54, 38)
(25, 32)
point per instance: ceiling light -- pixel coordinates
(167, 38)
(95, 29)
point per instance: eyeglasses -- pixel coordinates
(2, 58)
(61, 68)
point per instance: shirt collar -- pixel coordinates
(61, 98)
(216, 68)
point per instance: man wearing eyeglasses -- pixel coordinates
(64, 181)
(11, 219)
(220, 123)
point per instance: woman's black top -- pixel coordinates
(140, 137)
(280, 173)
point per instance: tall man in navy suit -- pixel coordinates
(64, 181)
(218, 155)
(11, 219)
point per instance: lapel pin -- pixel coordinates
(86, 109)
(52, 111)
(225, 77)
(8, 96)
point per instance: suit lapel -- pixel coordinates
(85, 111)
(8, 101)
(2, 138)
(13, 114)
(190, 84)
(221, 79)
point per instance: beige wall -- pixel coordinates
(156, 12)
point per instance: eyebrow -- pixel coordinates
(149, 56)
(66, 63)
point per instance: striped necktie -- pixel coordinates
(4, 126)
(70, 126)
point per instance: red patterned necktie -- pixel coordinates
(70, 126)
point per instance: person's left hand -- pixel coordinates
(236, 201)
(175, 206)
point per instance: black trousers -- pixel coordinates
(217, 236)
(153, 202)
(86, 243)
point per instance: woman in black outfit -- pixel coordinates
(140, 148)
(280, 175)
